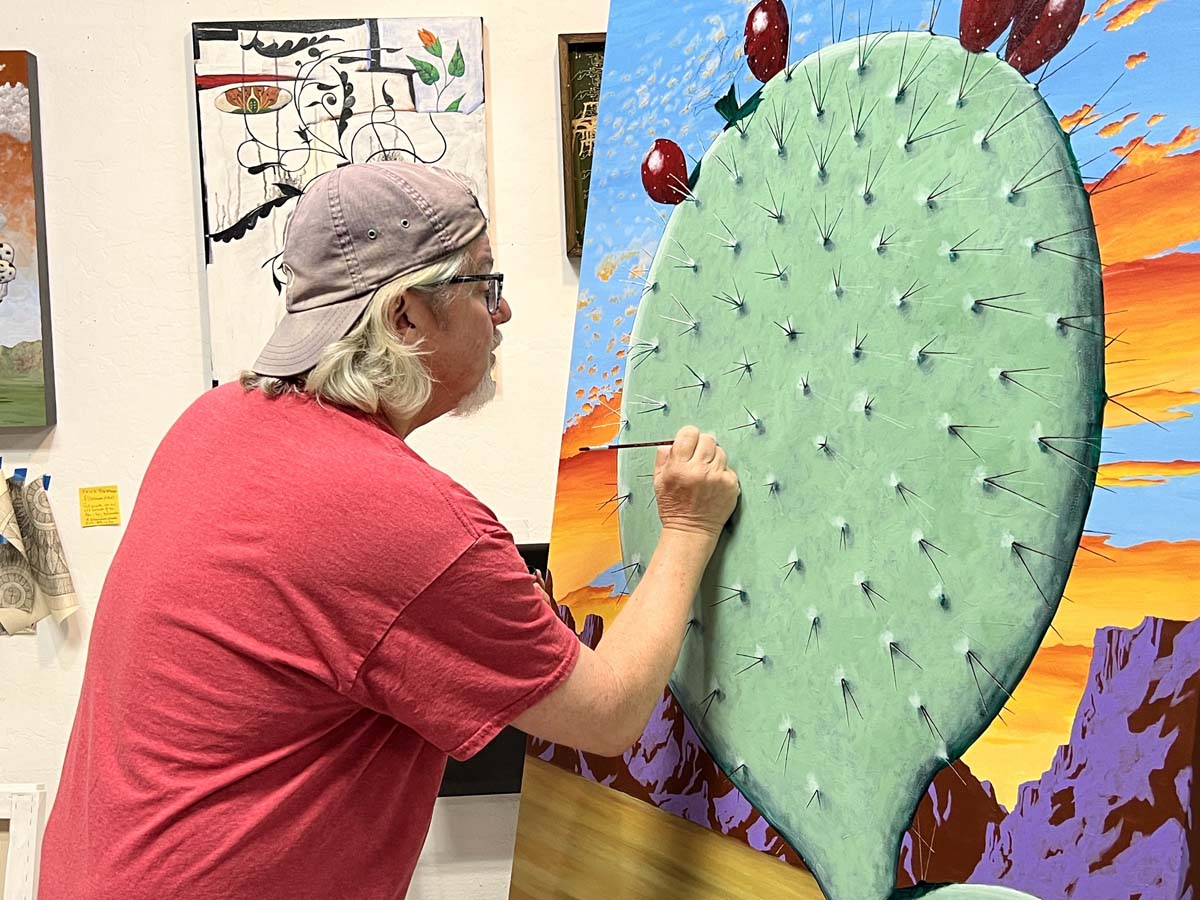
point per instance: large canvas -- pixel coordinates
(940, 306)
(281, 102)
(26, 358)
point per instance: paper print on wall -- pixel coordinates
(26, 358)
(281, 102)
(35, 581)
(938, 302)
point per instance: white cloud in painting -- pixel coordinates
(14, 111)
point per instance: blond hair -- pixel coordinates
(371, 369)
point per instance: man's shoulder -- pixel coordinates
(436, 490)
(337, 460)
(371, 466)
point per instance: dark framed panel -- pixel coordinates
(580, 64)
(496, 769)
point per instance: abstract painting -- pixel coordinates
(26, 357)
(929, 273)
(281, 102)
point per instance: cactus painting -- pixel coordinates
(880, 279)
(900, 339)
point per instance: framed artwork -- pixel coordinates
(281, 102)
(26, 355)
(580, 63)
(929, 272)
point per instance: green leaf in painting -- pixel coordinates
(731, 112)
(453, 107)
(728, 105)
(751, 105)
(427, 71)
(458, 65)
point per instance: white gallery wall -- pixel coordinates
(123, 241)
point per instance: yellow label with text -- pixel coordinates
(99, 506)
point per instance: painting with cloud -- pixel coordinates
(26, 359)
(281, 102)
(929, 272)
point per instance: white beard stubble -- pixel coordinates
(482, 394)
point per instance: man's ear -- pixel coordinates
(402, 319)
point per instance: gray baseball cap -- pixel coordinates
(355, 229)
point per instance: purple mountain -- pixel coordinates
(593, 626)
(950, 829)
(669, 768)
(1115, 816)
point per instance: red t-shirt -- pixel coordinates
(303, 619)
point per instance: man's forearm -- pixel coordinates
(643, 642)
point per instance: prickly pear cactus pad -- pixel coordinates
(882, 295)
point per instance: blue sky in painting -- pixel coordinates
(666, 64)
(1165, 512)
(1162, 512)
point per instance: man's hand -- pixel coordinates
(546, 586)
(696, 489)
(607, 699)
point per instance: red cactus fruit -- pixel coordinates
(982, 21)
(1041, 28)
(664, 173)
(767, 39)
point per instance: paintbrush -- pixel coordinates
(666, 443)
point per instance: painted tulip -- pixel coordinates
(253, 99)
(1040, 30)
(982, 21)
(767, 39)
(664, 173)
(430, 41)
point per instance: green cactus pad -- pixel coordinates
(885, 300)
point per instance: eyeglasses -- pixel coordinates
(495, 283)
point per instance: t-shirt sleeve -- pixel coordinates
(472, 652)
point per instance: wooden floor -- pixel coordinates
(582, 841)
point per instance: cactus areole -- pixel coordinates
(884, 298)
